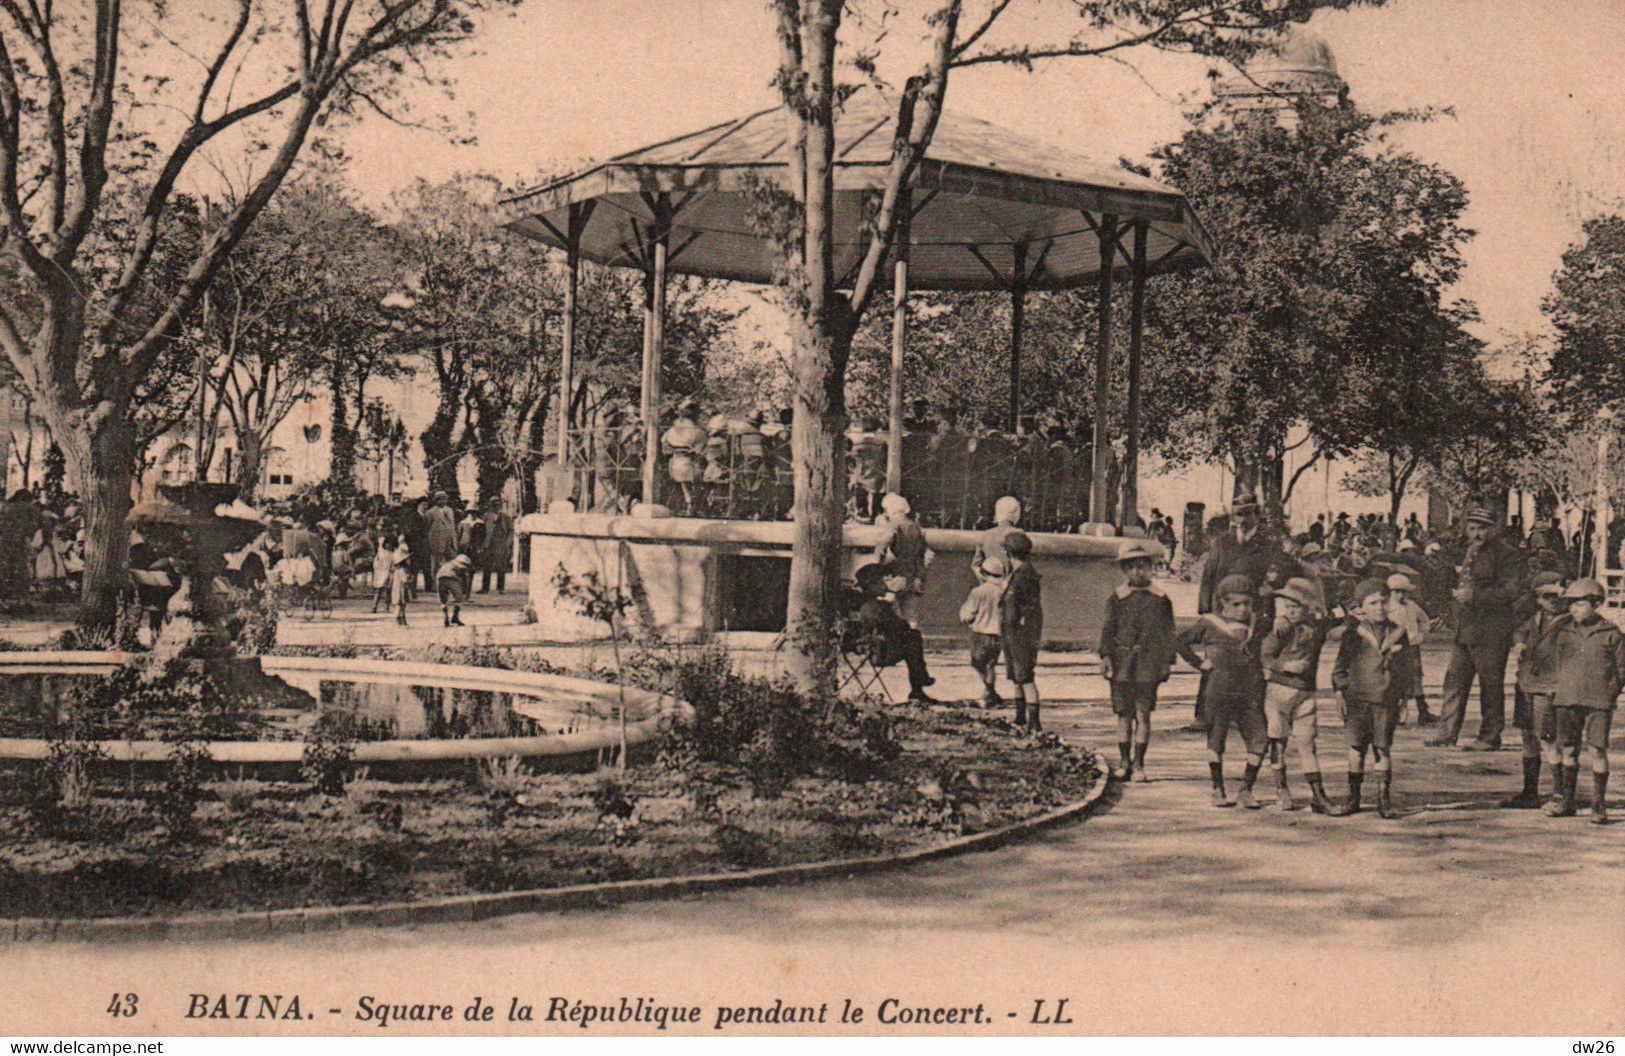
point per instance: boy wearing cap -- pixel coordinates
(1589, 662)
(1369, 682)
(1136, 655)
(1021, 626)
(452, 583)
(1291, 658)
(1405, 612)
(1223, 646)
(1532, 693)
(980, 613)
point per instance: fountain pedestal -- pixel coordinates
(185, 525)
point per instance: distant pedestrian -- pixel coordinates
(1006, 515)
(400, 581)
(498, 557)
(980, 613)
(451, 583)
(1136, 655)
(383, 567)
(903, 553)
(1021, 626)
(1488, 586)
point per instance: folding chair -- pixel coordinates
(859, 672)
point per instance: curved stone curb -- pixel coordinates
(468, 908)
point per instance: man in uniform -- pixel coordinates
(1488, 586)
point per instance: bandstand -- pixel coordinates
(987, 210)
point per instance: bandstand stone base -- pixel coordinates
(691, 578)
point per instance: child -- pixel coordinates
(1021, 626)
(1588, 654)
(1532, 692)
(451, 580)
(1370, 686)
(1291, 658)
(400, 580)
(383, 565)
(1235, 686)
(1404, 612)
(981, 614)
(1136, 654)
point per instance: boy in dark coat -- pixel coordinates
(1532, 693)
(1224, 647)
(1588, 653)
(1369, 680)
(1136, 654)
(1021, 625)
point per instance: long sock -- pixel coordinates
(1599, 789)
(1123, 748)
(1356, 779)
(1139, 755)
(1215, 771)
(1249, 775)
(1531, 775)
(1315, 783)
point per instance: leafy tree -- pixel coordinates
(1587, 309)
(1326, 306)
(825, 309)
(103, 118)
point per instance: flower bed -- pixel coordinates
(725, 797)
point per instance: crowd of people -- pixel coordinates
(41, 546)
(396, 550)
(1269, 604)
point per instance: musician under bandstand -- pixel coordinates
(986, 210)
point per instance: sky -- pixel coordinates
(1537, 134)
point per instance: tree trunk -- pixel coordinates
(341, 433)
(819, 508)
(439, 453)
(101, 463)
(250, 461)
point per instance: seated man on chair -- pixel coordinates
(887, 637)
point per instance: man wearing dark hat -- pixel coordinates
(1488, 586)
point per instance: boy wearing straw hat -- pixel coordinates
(1136, 655)
(1291, 658)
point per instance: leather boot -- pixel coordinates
(1529, 798)
(1352, 804)
(1021, 711)
(1317, 795)
(1385, 802)
(1033, 725)
(1561, 805)
(1283, 791)
(1599, 798)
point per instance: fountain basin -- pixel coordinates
(549, 700)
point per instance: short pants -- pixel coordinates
(1594, 724)
(1533, 712)
(1285, 707)
(451, 591)
(1371, 725)
(1020, 659)
(1130, 698)
(984, 652)
(1245, 714)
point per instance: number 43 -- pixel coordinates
(123, 1005)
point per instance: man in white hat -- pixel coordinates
(1488, 586)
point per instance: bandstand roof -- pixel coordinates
(980, 192)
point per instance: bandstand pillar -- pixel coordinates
(1100, 463)
(654, 333)
(1136, 339)
(1018, 305)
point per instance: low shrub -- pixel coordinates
(178, 795)
(325, 763)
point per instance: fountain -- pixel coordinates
(196, 525)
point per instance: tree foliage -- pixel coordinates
(1587, 309)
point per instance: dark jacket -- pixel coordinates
(1496, 573)
(1021, 610)
(1138, 635)
(1368, 668)
(1254, 558)
(1286, 643)
(1589, 664)
(1236, 673)
(1537, 666)
(902, 551)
